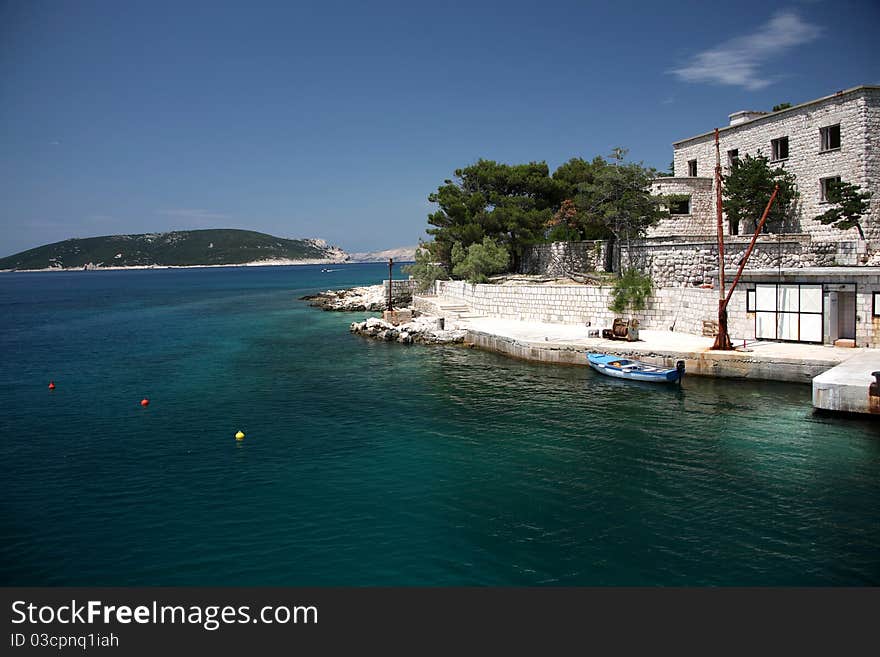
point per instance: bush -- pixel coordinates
(631, 291)
(479, 261)
(426, 269)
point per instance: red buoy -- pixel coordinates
(145, 402)
(51, 385)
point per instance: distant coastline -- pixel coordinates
(255, 263)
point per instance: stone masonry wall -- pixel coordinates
(872, 165)
(402, 287)
(867, 326)
(700, 221)
(683, 308)
(692, 262)
(684, 263)
(563, 258)
(857, 160)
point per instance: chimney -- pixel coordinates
(745, 115)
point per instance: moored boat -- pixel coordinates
(635, 370)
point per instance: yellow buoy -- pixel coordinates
(239, 436)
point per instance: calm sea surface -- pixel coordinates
(372, 463)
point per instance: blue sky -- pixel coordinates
(337, 119)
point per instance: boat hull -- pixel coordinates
(634, 370)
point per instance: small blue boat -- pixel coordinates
(624, 368)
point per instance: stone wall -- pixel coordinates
(700, 221)
(683, 308)
(682, 263)
(563, 258)
(694, 261)
(857, 160)
(400, 288)
(867, 326)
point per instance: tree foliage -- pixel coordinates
(522, 204)
(851, 203)
(748, 187)
(781, 106)
(508, 203)
(631, 291)
(479, 261)
(426, 269)
(618, 201)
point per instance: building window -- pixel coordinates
(680, 206)
(779, 148)
(876, 312)
(824, 186)
(830, 136)
(791, 312)
(692, 168)
(750, 301)
(732, 157)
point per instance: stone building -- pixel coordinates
(806, 283)
(809, 284)
(835, 137)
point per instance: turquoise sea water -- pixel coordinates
(371, 463)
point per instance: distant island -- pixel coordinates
(184, 248)
(401, 254)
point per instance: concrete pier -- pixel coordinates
(762, 361)
(846, 387)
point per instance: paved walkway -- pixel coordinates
(651, 341)
(568, 344)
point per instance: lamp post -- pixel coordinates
(390, 284)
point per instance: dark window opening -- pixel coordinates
(692, 168)
(779, 148)
(680, 207)
(830, 137)
(732, 157)
(825, 185)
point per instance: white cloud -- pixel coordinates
(738, 61)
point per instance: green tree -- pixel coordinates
(631, 291)
(564, 224)
(510, 204)
(618, 203)
(781, 106)
(426, 268)
(748, 187)
(571, 221)
(851, 204)
(479, 261)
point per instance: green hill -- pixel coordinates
(178, 248)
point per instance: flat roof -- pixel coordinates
(771, 115)
(816, 274)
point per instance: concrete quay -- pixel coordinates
(840, 376)
(568, 345)
(846, 387)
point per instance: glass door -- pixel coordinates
(790, 311)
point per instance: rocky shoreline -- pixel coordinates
(425, 329)
(421, 329)
(371, 298)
